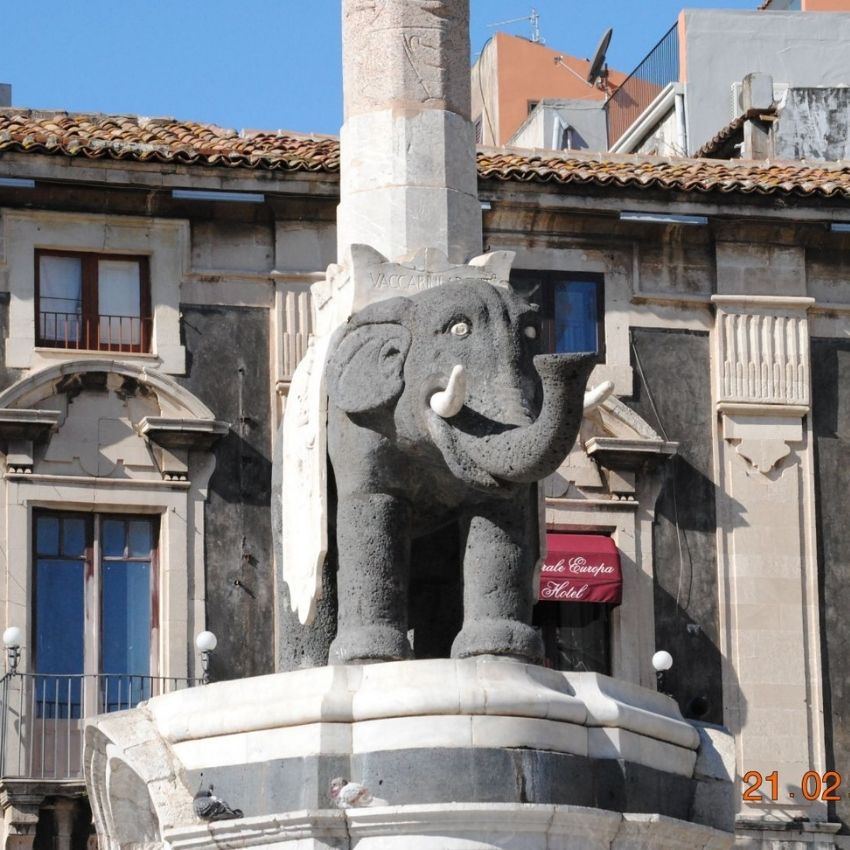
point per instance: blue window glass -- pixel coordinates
(112, 539)
(575, 316)
(125, 613)
(59, 580)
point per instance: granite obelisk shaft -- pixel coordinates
(409, 177)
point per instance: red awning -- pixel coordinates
(580, 568)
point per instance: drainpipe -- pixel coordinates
(558, 128)
(681, 123)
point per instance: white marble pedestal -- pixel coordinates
(473, 753)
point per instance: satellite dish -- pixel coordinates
(598, 69)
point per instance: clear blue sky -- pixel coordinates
(260, 64)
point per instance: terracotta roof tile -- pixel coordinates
(168, 140)
(162, 140)
(702, 175)
(720, 143)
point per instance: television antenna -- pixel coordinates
(598, 72)
(534, 18)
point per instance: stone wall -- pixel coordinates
(831, 422)
(7, 376)
(228, 369)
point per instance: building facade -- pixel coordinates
(156, 301)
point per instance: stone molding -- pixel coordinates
(174, 398)
(625, 453)
(762, 349)
(454, 826)
(446, 687)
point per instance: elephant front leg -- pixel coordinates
(498, 568)
(373, 542)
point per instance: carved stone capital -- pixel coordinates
(762, 349)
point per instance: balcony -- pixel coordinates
(658, 69)
(94, 333)
(42, 718)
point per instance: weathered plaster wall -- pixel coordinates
(814, 124)
(681, 260)
(228, 369)
(723, 46)
(831, 423)
(233, 245)
(686, 600)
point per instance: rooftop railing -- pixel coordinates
(659, 68)
(42, 717)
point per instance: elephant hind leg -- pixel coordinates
(373, 543)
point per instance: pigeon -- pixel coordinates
(208, 807)
(352, 795)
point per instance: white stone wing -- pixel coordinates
(305, 472)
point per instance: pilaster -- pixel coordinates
(766, 549)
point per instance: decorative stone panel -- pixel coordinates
(762, 349)
(297, 325)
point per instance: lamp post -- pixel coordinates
(661, 661)
(206, 642)
(12, 641)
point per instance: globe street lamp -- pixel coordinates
(12, 641)
(206, 642)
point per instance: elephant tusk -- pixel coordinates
(595, 397)
(448, 402)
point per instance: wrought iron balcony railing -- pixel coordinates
(659, 68)
(94, 333)
(42, 715)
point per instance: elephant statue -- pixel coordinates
(442, 416)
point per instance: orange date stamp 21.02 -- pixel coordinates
(813, 786)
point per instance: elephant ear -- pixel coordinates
(366, 369)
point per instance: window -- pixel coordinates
(94, 579)
(576, 635)
(572, 309)
(99, 302)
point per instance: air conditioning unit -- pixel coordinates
(736, 105)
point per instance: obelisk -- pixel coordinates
(409, 178)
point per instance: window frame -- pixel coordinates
(93, 593)
(90, 316)
(549, 277)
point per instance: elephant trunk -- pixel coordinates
(530, 453)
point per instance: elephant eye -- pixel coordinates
(460, 329)
(530, 331)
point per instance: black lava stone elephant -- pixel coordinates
(442, 410)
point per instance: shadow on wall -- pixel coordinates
(686, 592)
(242, 474)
